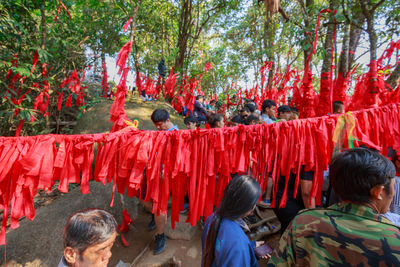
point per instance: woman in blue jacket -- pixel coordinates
(223, 239)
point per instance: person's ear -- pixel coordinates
(377, 191)
(70, 255)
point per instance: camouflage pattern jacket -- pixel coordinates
(344, 234)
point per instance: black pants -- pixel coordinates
(286, 214)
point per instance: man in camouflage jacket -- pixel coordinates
(350, 233)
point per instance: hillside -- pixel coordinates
(96, 118)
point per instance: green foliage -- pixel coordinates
(233, 35)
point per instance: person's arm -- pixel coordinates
(306, 180)
(284, 253)
(305, 194)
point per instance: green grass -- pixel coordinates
(96, 118)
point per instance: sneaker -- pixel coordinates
(152, 224)
(160, 244)
(185, 208)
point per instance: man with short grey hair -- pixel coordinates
(88, 238)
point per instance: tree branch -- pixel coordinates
(348, 19)
(287, 18)
(377, 5)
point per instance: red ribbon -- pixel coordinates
(35, 162)
(127, 24)
(61, 4)
(123, 56)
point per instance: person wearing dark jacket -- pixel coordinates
(199, 110)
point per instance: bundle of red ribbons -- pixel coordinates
(196, 162)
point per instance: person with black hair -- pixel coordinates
(352, 232)
(294, 203)
(337, 107)
(224, 242)
(268, 111)
(245, 112)
(295, 113)
(199, 110)
(236, 120)
(190, 122)
(215, 120)
(253, 119)
(161, 121)
(251, 106)
(211, 105)
(284, 113)
(88, 238)
(160, 118)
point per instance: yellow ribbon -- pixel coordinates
(134, 124)
(344, 126)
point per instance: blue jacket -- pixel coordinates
(199, 109)
(232, 246)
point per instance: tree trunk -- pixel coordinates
(343, 66)
(133, 34)
(393, 80)
(355, 34)
(325, 94)
(269, 39)
(373, 87)
(307, 37)
(307, 108)
(351, 38)
(185, 26)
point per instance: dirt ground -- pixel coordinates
(39, 242)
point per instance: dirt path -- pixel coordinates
(39, 242)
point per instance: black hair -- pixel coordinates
(240, 197)
(245, 108)
(284, 108)
(251, 106)
(213, 101)
(336, 105)
(294, 110)
(87, 228)
(159, 114)
(267, 104)
(190, 119)
(238, 119)
(213, 119)
(251, 118)
(355, 172)
(198, 97)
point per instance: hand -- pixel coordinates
(266, 257)
(259, 243)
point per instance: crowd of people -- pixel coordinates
(247, 113)
(361, 225)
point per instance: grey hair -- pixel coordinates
(87, 228)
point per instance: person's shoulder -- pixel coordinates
(62, 262)
(231, 229)
(317, 212)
